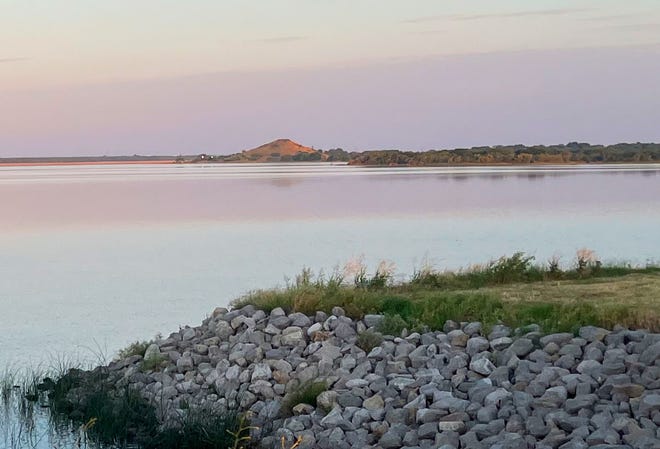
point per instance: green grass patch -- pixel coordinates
(368, 340)
(510, 290)
(306, 394)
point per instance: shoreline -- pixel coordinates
(347, 164)
(69, 163)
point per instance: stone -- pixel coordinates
(482, 366)
(373, 403)
(650, 355)
(453, 426)
(153, 351)
(327, 399)
(335, 419)
(593, 333)
(648, 404)
(521, 347)
(261, 372)
(580, 402)
(501, 343)
(373, 320)
(292, 335)
(345, 331)
(476, 345)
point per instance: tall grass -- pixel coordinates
(431, 297)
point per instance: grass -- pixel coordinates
(135, 348)
(153, 363)
(306, 394)
(510, 290)
(121, 417)
(368, 340)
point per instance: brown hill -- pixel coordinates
(278, 150)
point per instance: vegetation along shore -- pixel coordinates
(286, 150)
(508, 354)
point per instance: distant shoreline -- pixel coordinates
(39, 163)
(66, 163)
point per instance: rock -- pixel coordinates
(292, 335)
(314, 328)
(345, 331)
(335, 419)
(261, 372)
(338, 311)
(497, 397)
(453, 426)
(648, 404)
(501, 343)
(373, 403)
(373, 320)
(559, 339)
(458, 338)
(580, 402)
(476, 345)
(152, 352)
(482, 366)
(521, 347)
(592, 333)
(651, 354)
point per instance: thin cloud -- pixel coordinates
(636, 27)
(506, 15)
(612, 17)
(12, 59)
(283, 39)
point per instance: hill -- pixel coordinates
(280, 150)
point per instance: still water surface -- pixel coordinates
(93, 257)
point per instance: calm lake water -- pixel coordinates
(94, 257)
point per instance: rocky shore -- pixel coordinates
(461, 387)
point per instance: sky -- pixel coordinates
(89, 77)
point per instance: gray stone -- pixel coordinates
(476, 345)
(335, 419)
(292, 335)
(649, 403)
(374, 403)
(501, 343)
(521, 347)
(454, 426)
(593, 333)
(650, 355)
(261, 372)
(559, 339)
(373, 320)
(345, 331)
(482, 366)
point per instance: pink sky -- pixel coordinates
(221, 77)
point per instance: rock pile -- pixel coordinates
(459, 388)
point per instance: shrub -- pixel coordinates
(396, 305)
(368, 340)
(135, 348)
(392, 325)
(153, 363)
(306, 394)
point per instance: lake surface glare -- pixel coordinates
(94, 257)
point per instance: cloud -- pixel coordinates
(636, 27)
(506, 15)
(13, 59)
(612, 17)
(282, 40)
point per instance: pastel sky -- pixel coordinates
(166, 76)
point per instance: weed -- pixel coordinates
(392, 325)
(135, 348)
(368, 340)
(153, 363)
(306, 394)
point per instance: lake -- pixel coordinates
(94, 257)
